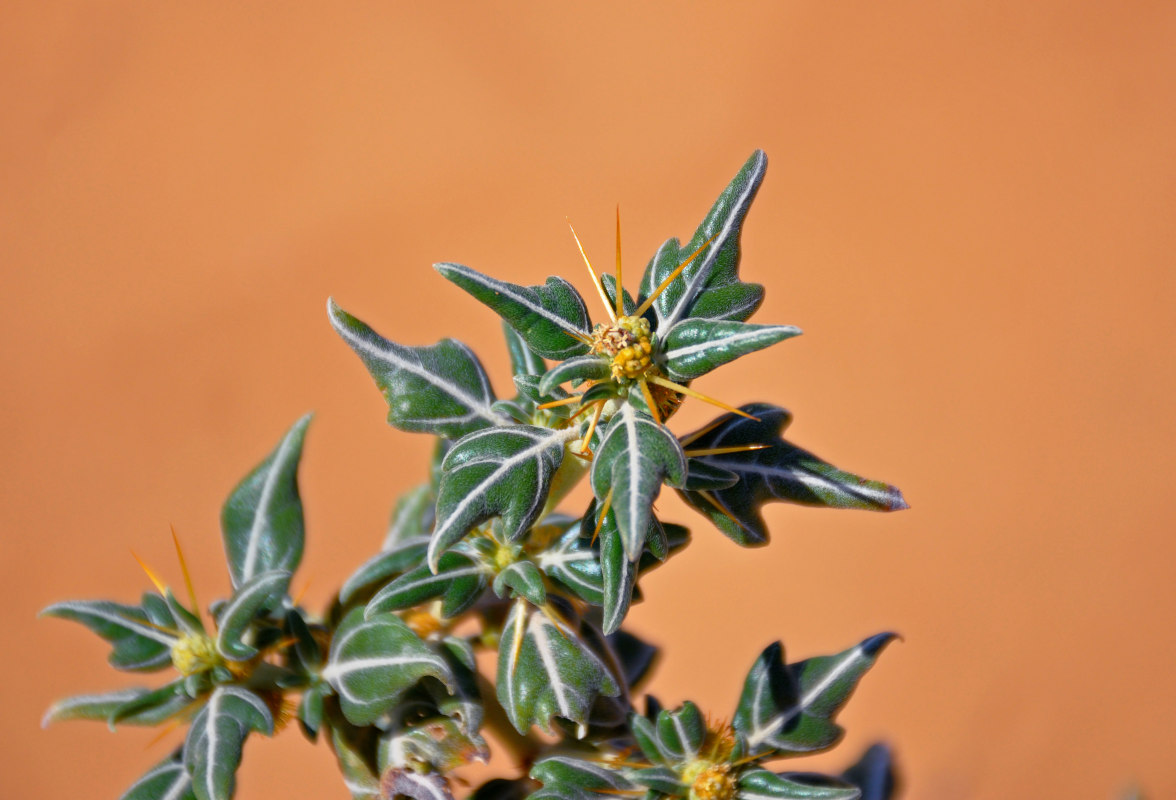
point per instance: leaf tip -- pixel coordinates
(876, 643)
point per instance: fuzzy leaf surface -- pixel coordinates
(547, 317)
(401, 557)
(499, 472)
(577, 779)
(418, 786)
(780, 471)
(441, 389)
(167, 780)
(374, 662)
(760, 784)
(791, 709)
(212, 750)
(635, 457)
(576, 370)
(155, 707)
(709, 287)
(459, 581)
(523, 360)
(262, 521)
(546, 670)
(139, 646)
(260, 592)
(694, 347)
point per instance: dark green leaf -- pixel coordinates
(522, 579)
(618, 572)
(167, 780)
(635, 656)
(399, 558)
(681, 732)
(694, 347)
(547, 317)
(152, 707)
(660, 779)
(503, 789)
(139, 646)
(212, 751)
(874, 773)
(779, 471)
(102, 706)
(573, 563)
(459, 581)
(441, 389)
(499, 472)
(791, 709)
(374, 662)
(546, 670)
(523, 360)
(709, 286)
(760, 784)
(310, 710)
(262, 520)
(412, 517)
(261, 592)
(576, 371)
(576, 778)
(635, 457)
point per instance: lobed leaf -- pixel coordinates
(459, 580)
(212, 749)
(523, 360)
(780, 471)
(546, 670)
(373, 662)
(139, 644)
(262, 521)
(549, 318)
(790, 709)
(441, 389)
(709, 287)
(760, 784)
(521, 579)
(259, 593)
(167, 780)
(694, 347)
(499, 472)
(634, 458)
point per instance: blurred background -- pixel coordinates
(968, 209)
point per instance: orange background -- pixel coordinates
(968, 209)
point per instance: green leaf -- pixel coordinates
(459, 581)
(259, 593)
(523, 360)
(547, 317)
(212, 750)
(374, 662)
(262, 520)
(103, 705)
(521, 579)
(662, 780)
(791, 709)
(576, 370)
(760, 784)
(709, 286)
(874, 773)
(694, 347)
(574, 778)
(635, 656)
(441, 389)
(404, 555)
(618, 572)
(681, 732)
(412, 517)
(635, 457)
(778, 472)
(167, 780)
(152, 707)
(439, 743)
(310, 710)
(139, 646)
(573, 562)
(499, 472)
(546, 670)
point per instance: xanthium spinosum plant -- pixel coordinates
(478, 559)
